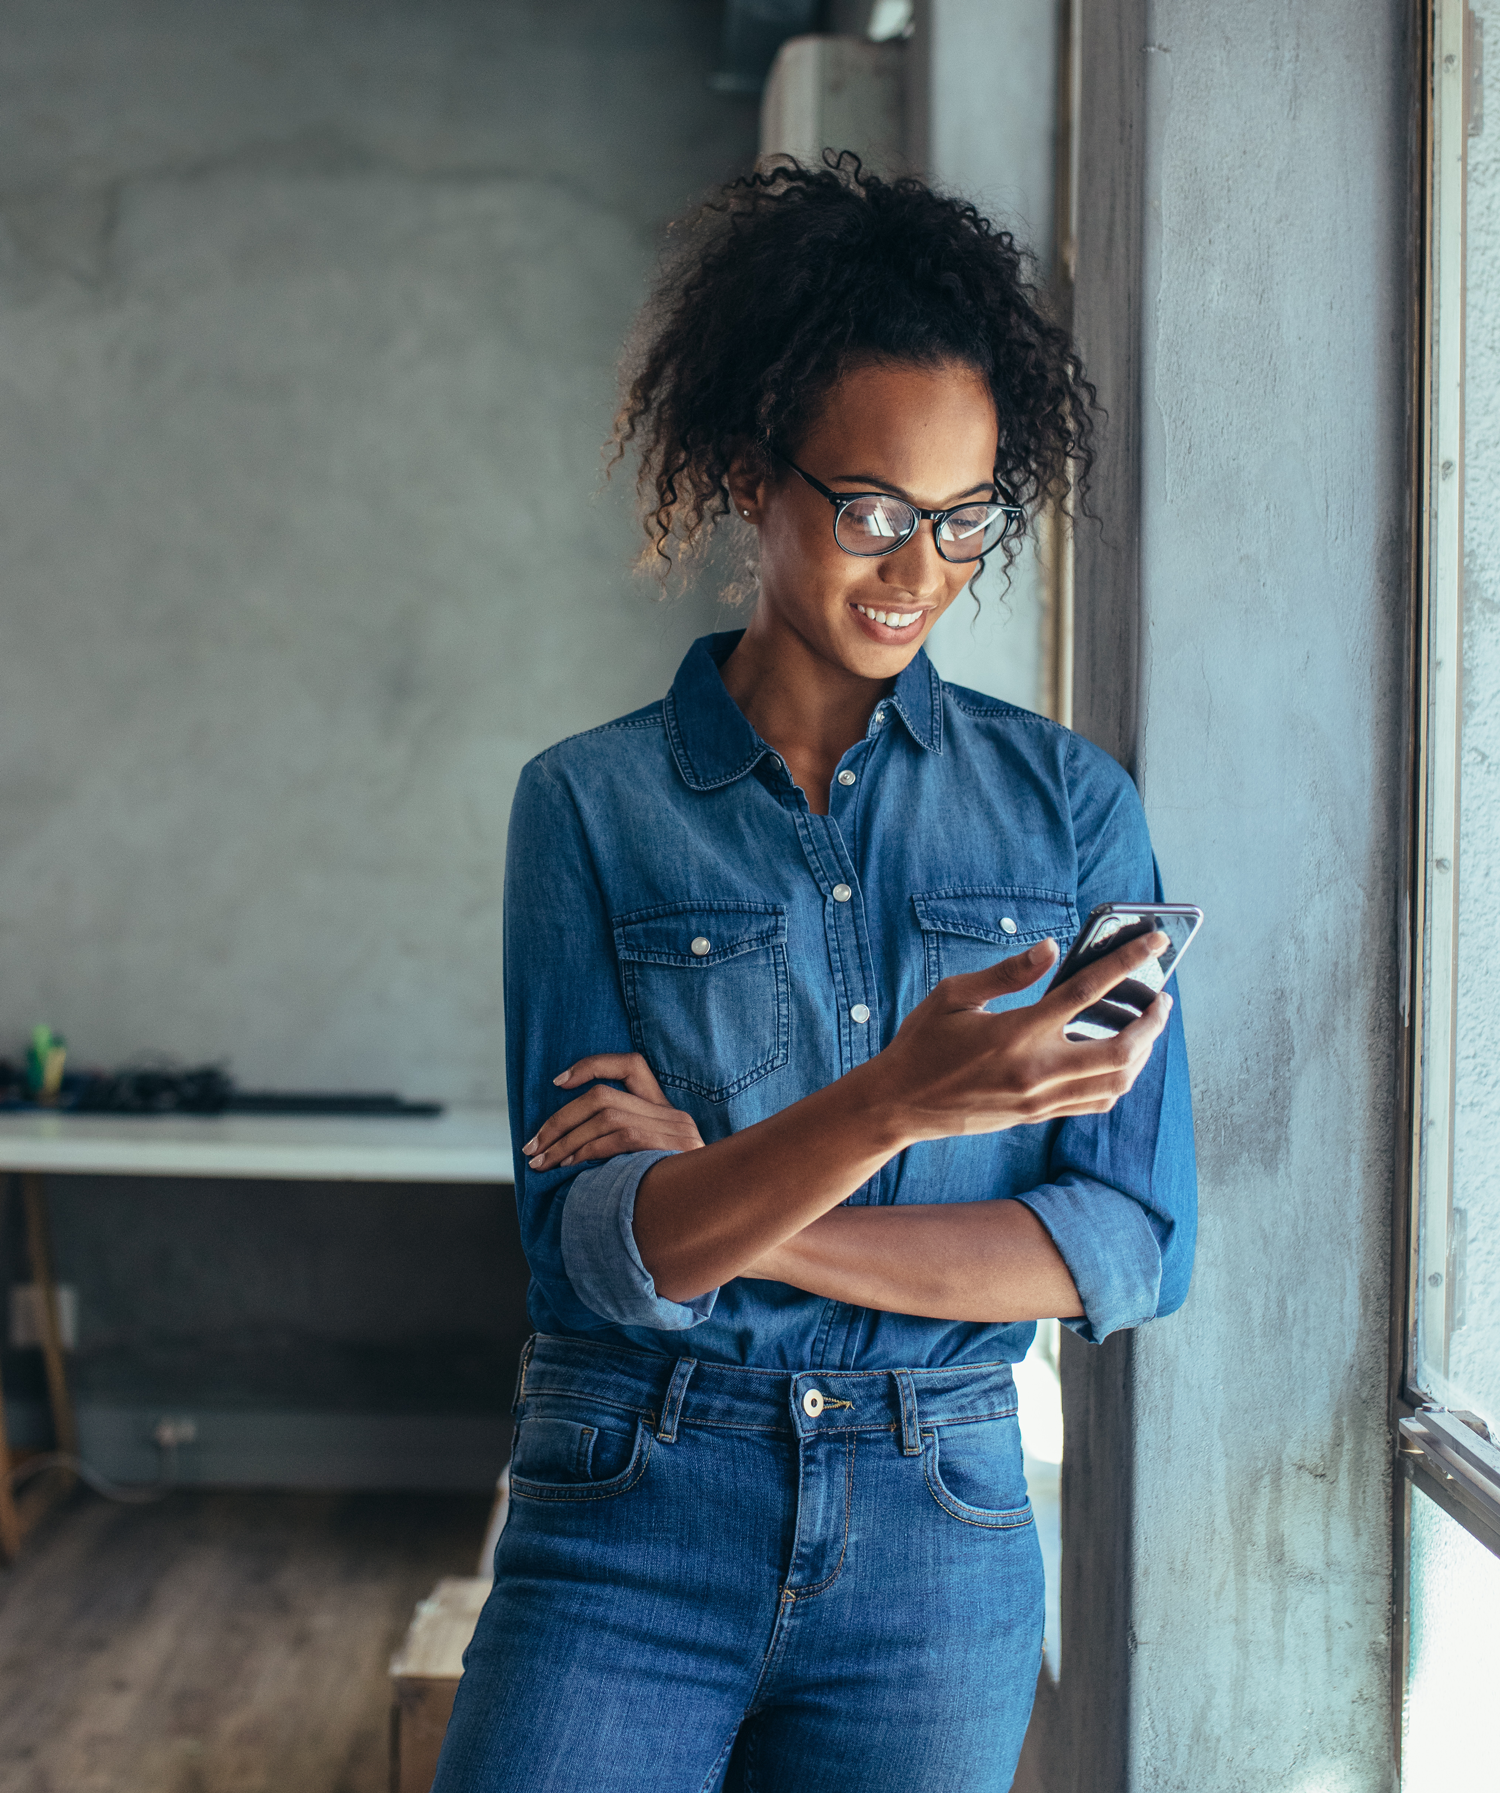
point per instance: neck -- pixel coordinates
(809, 709)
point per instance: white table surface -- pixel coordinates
(462, 1145)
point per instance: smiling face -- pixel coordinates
(921, 433)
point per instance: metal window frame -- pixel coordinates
(1435, 1451)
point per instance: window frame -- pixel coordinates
(1435, 1452)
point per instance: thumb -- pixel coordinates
(973, 989)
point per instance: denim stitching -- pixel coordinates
(527, 1490)
(1013, 1519)
(712, 1774)
(776, 1060)
(829, 1579)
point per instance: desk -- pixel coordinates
(463, 1145)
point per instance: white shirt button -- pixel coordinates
(1007, 926)
(859, 1013)
(846, 776)
(880, 715)
(842, 893)
(812, 1403)
(699, 947)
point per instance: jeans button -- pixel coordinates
(812, 1403)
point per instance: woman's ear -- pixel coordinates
(746, 488)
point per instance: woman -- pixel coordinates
(769, 1527)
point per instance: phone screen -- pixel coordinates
(1109, 927)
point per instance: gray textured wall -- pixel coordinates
(308, 319)
(1274, 600)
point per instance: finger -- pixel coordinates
(628, 1068)
(601, 1095)
(1101, 1066)
(973, 989)
(1085, 988)
(615, 1145)
(651, 1130)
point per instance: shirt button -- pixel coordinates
(859, 1013)
(812, 1403)
(880, 715)
(846, 777)
(699, 947)
(1007, 926)
(842, 893)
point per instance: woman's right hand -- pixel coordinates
(954, 1068)
(604, 1122)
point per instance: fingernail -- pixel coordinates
(1169, 1001)
(536, 1163)
(1039, 951)
(530, 1146)
(563, 1076)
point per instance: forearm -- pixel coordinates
(703, 1217)
(983, 1261)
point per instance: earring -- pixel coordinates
(744, 513)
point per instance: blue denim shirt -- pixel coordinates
(668, 890)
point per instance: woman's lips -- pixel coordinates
(889, 624)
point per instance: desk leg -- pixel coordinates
(38, 1244)
(10, 1519)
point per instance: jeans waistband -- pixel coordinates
(671, 1392)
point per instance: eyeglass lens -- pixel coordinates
(876, 525)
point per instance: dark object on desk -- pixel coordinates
(208, 1089)
(315, 1102)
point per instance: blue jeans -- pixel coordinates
(716, 1577)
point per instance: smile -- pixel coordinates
(893, 619)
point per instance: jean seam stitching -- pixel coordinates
(1008, 1520)
(525, 1489)
(829, 1579)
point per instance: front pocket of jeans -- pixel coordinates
(564, 1459)
(985, 1483)
(715, 1020)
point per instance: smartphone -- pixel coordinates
(1110, 926)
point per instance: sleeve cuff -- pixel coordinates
(599, 1251)
(1108, 1244)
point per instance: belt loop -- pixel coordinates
(671, 1405)
(911, 1437)
(526, 1351)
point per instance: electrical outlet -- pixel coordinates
(26, 1315)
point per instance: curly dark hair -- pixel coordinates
(789, 277)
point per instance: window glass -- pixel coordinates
(1448, 1722)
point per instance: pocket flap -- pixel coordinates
(698, 933)
(1009, 916)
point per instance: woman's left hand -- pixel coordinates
(604, 1122)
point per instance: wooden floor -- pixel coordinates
(216, 1642)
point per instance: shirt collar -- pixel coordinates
(714, 745)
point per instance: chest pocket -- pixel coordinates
(706, 991)
(969, 930)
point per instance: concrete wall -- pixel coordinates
(308, 321)
(984, 117)
(1241, 621)
(1272, 368)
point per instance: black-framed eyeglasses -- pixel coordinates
(870, 523)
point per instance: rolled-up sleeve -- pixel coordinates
(562, 1002)
(599, 1250)
(1120, 1203)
